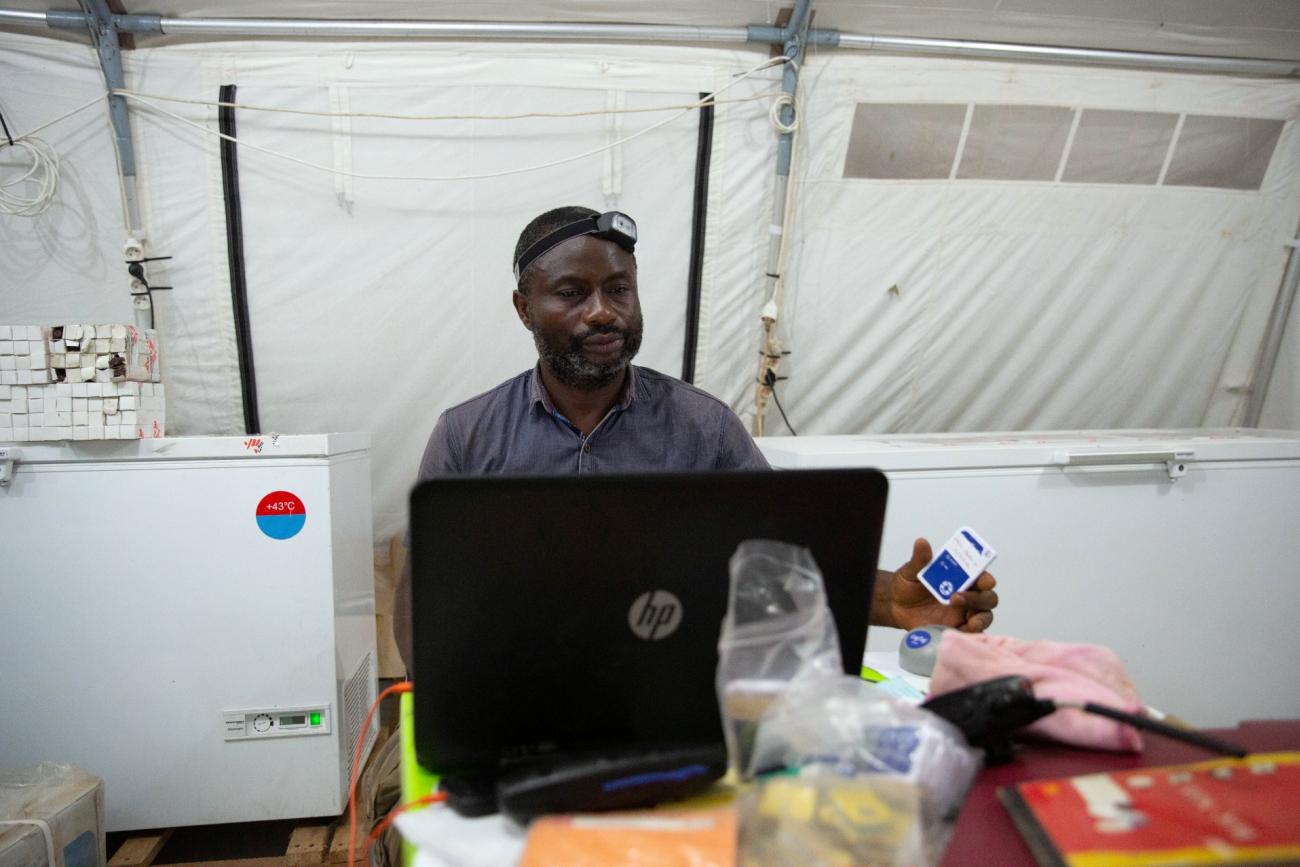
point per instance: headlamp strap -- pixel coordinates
(610, 226)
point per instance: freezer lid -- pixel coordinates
(258, 447)
(1029, 448)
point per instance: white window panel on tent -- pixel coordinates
(1119, 147)
(903, 141)
(1014, 142)
(1036, 143)
(1229, 152)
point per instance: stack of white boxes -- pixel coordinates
(79, 382)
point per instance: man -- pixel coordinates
(586, 409)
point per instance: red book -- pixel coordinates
(1223, 811)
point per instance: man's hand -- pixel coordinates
(910, 604)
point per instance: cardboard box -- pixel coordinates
(71, 804)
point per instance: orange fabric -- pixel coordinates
(653, 838)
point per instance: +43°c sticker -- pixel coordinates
(281, 515)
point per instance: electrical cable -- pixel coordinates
(16, 198)
(1204, 741)
(382, 825)
(43, 171)
(771, 380)
(404, 686)
(787, 218)
(440, 117)
(481, 176)
(781, 409)
(49, 123)
(774, 114)
(52, 170)
(772, 309)
(136, 270)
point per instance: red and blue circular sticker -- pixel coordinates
(281, 515)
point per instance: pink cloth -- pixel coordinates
(1066, 672)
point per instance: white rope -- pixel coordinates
(775, 114)
(31, 192)
(49, 123)
(140, 100)
(243, 106)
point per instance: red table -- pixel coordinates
(985, 833)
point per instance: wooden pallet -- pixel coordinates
(309, 846)
(324, 844)
(140, 851)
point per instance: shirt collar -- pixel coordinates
(538, 394)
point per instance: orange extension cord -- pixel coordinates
(404, 686)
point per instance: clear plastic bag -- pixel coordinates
(864, 779)
(778, 631)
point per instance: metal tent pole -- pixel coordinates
(770, 352)
(451, 30)
(1062, 54)
(22, 18)
(324, 28)
(1272, 342)
(97, 19)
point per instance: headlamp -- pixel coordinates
(610, 226)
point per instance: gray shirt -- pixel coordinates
(661, 424)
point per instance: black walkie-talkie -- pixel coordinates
(987, 713)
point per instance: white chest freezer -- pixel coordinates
(191, 619)
(1175, 548)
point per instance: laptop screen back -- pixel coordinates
(580, 612)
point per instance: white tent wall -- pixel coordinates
(959, 305)
(69, 257)
(66, 265)
(376, 304)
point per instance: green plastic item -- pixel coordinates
(416, 781)
(870, 674)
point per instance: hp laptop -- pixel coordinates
(577, 613)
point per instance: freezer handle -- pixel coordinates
(1175, 460)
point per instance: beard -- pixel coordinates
(566, 360)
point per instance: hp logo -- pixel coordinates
(655, 614)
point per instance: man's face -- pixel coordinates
(583, 310)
